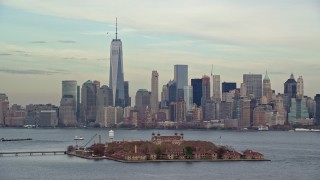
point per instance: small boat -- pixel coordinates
(315, 130)
(263, 128)
(301, 129)
(78, 138)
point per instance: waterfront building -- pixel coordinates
(317, 116)
(178, 111)
(188, 97)
(48, 118)
(67, 115)
(33, 112)
(69, 88)
(209, 110)
(4, 108)
(244, 120)
(134, 117)
(197, 91)
(197, 114)
(280, 109)
(298, 109)
(300, 86)
(116, 79)
(110, 116)
(236, 105)
(16, 116)
(78, 103)
(104, 96)
(216, 96)
(226, 110)
(261, 115)
(154, 92)
(228, 86)
(142, 102)
(88, 102)
(127, 98)
(311, 105)
(254, 85)
(181, 78)
(267, 91)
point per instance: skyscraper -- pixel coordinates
(4, 108)
(116, 80)
(188, 92)
(154, 92)
(290, 87)
(88, 102)
(267, 91)
(205, 89)
(228, 86)
(127, 98)
(181, 78)
(142, 103)
(254, 85)
(197, 91)
(300, 87)
(216, 87)
(69, 88)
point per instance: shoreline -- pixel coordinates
(165, 160)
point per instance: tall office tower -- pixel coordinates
(188, 97)
(67, 115)
(254, 85)
(317, 117)
(181, 78)
(298, 109)
(178, 111)
(205, 89)
(97, 84)
(127, 98)
(228, 86)
(253, 104)
(300, 87)
(290, 87)
(197, 91)
(116, 80)
(104, 97)
(78, 103)
(172, 91)
(88, 102)
(69, 88)
(267, 91)
(142, 103)
(243, 90)
(164, 96)
(216, 88)
(4, 108)
(244, 120)
(236, 106)
(209, 110)
(154, 92)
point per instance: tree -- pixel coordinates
(70, 148)
(189, 150)
(221, 150)
(98, 149)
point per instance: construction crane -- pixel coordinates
(90, 139)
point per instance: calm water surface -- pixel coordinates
(293, 155)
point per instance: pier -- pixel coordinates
(31, 153)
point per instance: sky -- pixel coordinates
(43, 42)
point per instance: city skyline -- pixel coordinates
(46, 44)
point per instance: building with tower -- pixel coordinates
(254, 85)
(290, 87)
(181, 78)
(267, 91)
(116, 79)
(300, 87)
(154, 99)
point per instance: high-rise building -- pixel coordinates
(267, 91)
(116, 80)
(88, 102)
(197, 91)
(78, 103)
(244, 120)
(317, 117)
(254, 85)
(48, 118)
(142, 102)
(209, 110)
(104, 97)
(178, 111)
(4, 108)
(216, 88)
(290, 87)
(70, 88)
(228, 86)
(300, 87)
(110, 116)
(172, 91)
(298, 109)
(67, 115)
(154, 92)
(127, 98)
(243, 90)
(181, 78)
(164, 96)
(205, 89)
(16, 116)
(188, 97)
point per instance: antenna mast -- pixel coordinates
(116, 28)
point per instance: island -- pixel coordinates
(163, 149)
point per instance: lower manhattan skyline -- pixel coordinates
(44, 43)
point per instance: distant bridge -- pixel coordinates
(31, 153)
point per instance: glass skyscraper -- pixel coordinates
(181, 78)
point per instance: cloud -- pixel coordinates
(66, 41)
(5, 54)
(32, 71)
(38, 42)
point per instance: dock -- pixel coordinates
(18, 139)
(31, 153)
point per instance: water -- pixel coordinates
(293, 155)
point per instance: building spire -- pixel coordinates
(116, 28)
